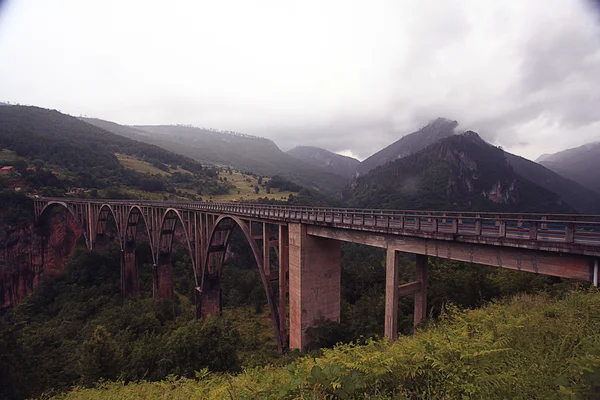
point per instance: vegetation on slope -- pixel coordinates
(244, 152)
(461, 172)
(412, 143)
(337, 163)
(528, 347)
(579, 164)
(76, 329)
(584, 200)
(82, 155)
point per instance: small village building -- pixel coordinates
(9, 169)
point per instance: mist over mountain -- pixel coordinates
(460, 172)
(581, 164)
(245, 152)
(336, 163)
(582, 198)
(411, 143)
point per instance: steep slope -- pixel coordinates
(580, 164)
(83, 153)
(461, 172)
(336, 163)
(245, 152)
(583, 199)
(411, 143)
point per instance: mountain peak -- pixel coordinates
(441, 122)
(436, 130)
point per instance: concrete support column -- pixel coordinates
(421, 295)
(211, 296)
(283, 280)
(418, 288)
(163, 277)
(129, 273)
(314, 282)
(391, 294)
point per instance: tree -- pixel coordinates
(256, 189)
(100, 357)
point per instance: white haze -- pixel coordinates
(350, 76)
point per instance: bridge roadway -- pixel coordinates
(306, 242)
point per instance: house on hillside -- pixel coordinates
(9, 169)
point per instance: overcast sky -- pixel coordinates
(350, 76)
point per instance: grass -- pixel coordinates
(243, 184)
(244, 189)
(7, 156)
(143, 166)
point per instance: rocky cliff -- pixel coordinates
(28, 254)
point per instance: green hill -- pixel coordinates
(436, 130)
(84, 155)
(244, 152)
(461, 172)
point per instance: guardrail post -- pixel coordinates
(455, 226)
(533, 225)
(478, 228)
(502, 229)
(569, 232)
(418, 223)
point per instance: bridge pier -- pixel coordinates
(129, 272)
(418, 288)
(163, 278)
(314, 282)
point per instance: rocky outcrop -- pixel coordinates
(28, 254)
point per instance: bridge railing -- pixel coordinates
(559, 228)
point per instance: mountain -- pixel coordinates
(580, 164)
(583, 199)
(337, 163)
(82, 154)
(436, 130)
(460, 172)
(245, 152)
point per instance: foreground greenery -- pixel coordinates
(527, 347)
(76, 329)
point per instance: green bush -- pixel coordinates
(527, 347)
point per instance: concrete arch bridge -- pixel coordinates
(307, 243)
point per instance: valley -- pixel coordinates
(284, 200)
(54, 290)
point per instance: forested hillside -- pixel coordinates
(244, 152)
(82, 155)
(336, 163)
(461, 172)
(583, 199)
(528, 347)
(580, 164)
(434, 131)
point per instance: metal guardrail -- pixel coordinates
(551, 228)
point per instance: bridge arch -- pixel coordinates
(100, 224)
(134, 215)
(130, 277)
(163, 280)
(78, 215)
(211, 272)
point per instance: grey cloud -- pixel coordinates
(341, 75)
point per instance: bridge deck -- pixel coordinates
(569, 233)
